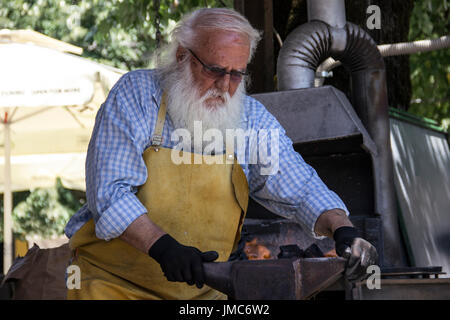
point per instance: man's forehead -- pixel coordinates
(219, 37)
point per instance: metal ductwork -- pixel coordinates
(328, 34)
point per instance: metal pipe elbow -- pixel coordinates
(310, 44)
(361, 51)
(303, 50)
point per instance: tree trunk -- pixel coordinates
(261, 69)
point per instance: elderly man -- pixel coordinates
(150, 223)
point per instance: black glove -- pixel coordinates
(359, 253)
(181, 263)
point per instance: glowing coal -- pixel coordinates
(257, 251)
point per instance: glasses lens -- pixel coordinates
(214, 72)
(235, 76)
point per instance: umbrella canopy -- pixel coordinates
(33, 76)
(37, 38)
(41, 170)
(48, 103)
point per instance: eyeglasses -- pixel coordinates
(216, 72)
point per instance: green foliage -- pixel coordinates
(115, 32)
(122, 33)
(430, 71)
(17, 198)
(45, 212)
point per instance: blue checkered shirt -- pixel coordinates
(115, 167)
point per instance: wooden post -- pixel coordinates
(260, 15)
(7, 200)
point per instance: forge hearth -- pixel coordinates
(268, 239)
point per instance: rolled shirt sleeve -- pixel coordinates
(114, 164)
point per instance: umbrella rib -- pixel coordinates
(13, 113)
(8, 118)
(74, 116)
(33, 114)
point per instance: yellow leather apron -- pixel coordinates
(201, 205)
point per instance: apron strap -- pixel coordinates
(157, 134)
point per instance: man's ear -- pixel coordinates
(181, 53)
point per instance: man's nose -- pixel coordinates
(223, 83)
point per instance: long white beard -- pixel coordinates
(185, 106)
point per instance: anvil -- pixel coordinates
(282, 279)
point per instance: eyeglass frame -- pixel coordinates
(220, 72)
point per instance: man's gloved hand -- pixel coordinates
(359, 253)
(181, 263)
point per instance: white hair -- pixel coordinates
(185, 105)
(187, 30)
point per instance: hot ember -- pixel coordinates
(256, 251)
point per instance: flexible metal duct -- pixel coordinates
(328, 34)
(394, 49)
